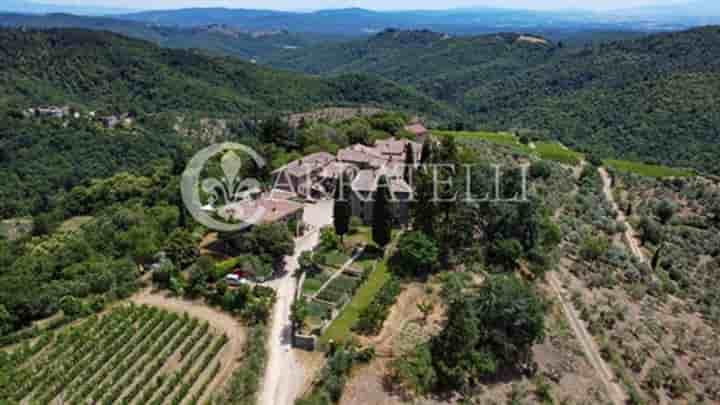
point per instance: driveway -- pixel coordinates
(284, 376)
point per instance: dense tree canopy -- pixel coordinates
(487, 331)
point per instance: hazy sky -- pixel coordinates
(371, 4)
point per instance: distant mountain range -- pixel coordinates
(360, 22)
(357, 21)
(21, 6)
(212, 38)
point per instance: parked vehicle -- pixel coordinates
(235, 280)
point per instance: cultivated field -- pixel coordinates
(545, 150)
(648, 170)
(135, 354)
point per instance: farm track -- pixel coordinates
(284, 374)
(592, 353)
(616, 393)
(629, 234)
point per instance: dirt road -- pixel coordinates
(629, 234)
(592, 353)
(284, 375)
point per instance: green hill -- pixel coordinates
(217, 39)
(102, 70)
(89, 70)
(438, 64)
(652, 98)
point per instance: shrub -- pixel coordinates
(416, 254)
(415, 370)
(373, 316)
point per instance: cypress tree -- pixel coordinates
(409, 162)
(382, 214)
(341, 210)
(423, 208)
(427, 149)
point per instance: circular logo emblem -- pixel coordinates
(215, 192)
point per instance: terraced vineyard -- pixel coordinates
(135, 354)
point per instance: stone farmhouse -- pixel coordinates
(314, 176)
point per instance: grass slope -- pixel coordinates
(339, 329)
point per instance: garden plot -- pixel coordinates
(326, 292)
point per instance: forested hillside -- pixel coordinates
(652, 98)
(107, 71)
(213, 38)
(111, 74)
(425, 59)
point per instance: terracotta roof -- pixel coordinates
(360, 154)
(308, 164)
(416, 129)
(393, 169)
(367, 180)
(272, 210)
(333, 170)
(364, 181)
(392, 146)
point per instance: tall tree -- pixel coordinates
(427, 151)
(423, 208)
(341, 210)
(416, 254)
(489, 330)
(409, 163)
(382, 214)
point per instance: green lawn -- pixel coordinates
(339, 329)
(504, 138)
(545, 150)
(648, 170)
(501, 138)
(555, 151)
